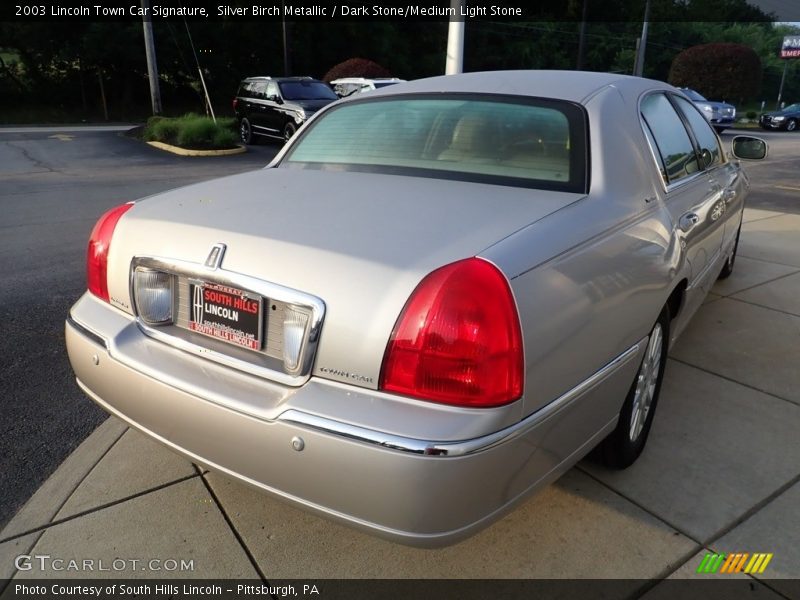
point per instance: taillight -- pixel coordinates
(458, 339)
(97, 253)
(235, 103)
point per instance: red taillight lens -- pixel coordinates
(458, 339)
(235, 103)
(97, 253)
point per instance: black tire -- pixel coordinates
(727, 268)
(288, 131)
(719, 130)
(624, 445)
(245, 132)
(791, 125)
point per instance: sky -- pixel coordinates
(786, 10)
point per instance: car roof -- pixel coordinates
(278, 79)
(364, 79)
(575, 86)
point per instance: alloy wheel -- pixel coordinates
(244, 131)
(289, 131)
(646, 382)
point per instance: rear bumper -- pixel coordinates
(411, 491)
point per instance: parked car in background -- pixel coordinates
(276, 107)
(435, 300)
(719, 114)
(787, 118)
(348, 86)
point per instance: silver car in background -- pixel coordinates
(721, 115)
(490, 294)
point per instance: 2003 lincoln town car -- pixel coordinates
(435, 300)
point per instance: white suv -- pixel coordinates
(347, 86)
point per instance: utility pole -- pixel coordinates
(783, 80)
(638, 66)
(287, 63)
(150, 52)
(455, 40)
(582, 37)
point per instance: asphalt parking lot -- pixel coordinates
(721, 472)
(54, 184)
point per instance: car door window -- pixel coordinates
(710, 151)
(272, 90)
(671, 138)
(258, 90)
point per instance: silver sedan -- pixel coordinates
(435, 300)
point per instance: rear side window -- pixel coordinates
(246, 89)
(671, 138)
(506, 140)
(710, 151)
(259, 90)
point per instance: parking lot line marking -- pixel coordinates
(786, 187)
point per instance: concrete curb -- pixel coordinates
(40, 509)
(186, 152)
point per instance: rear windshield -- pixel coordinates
(505, 140)
(306, 90)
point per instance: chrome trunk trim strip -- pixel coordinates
(465, 447)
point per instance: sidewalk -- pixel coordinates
(721, 473)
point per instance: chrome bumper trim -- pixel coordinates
(97, 339)
(266, 289)
(465, 447)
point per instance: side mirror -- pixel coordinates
(275, 98)
(749, 148)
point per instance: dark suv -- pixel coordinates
(276, 106)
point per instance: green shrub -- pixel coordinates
(163, 130)
(751, 114)
(192, 131)
(224, 138)
(196, 132)
(228, 123)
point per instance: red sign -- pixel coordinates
(226, 314)
(791, 47)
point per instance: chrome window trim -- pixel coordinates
(263, 288)
(465, 447)
(667, 187)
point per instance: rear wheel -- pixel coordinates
(288, 131)
(624, 445)
(245, 132)
(791, 125)
(727, 268)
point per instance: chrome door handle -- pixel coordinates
(688, 221)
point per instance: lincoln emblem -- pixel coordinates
(214, 259)
(198, 304)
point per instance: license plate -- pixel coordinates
(226, 313)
